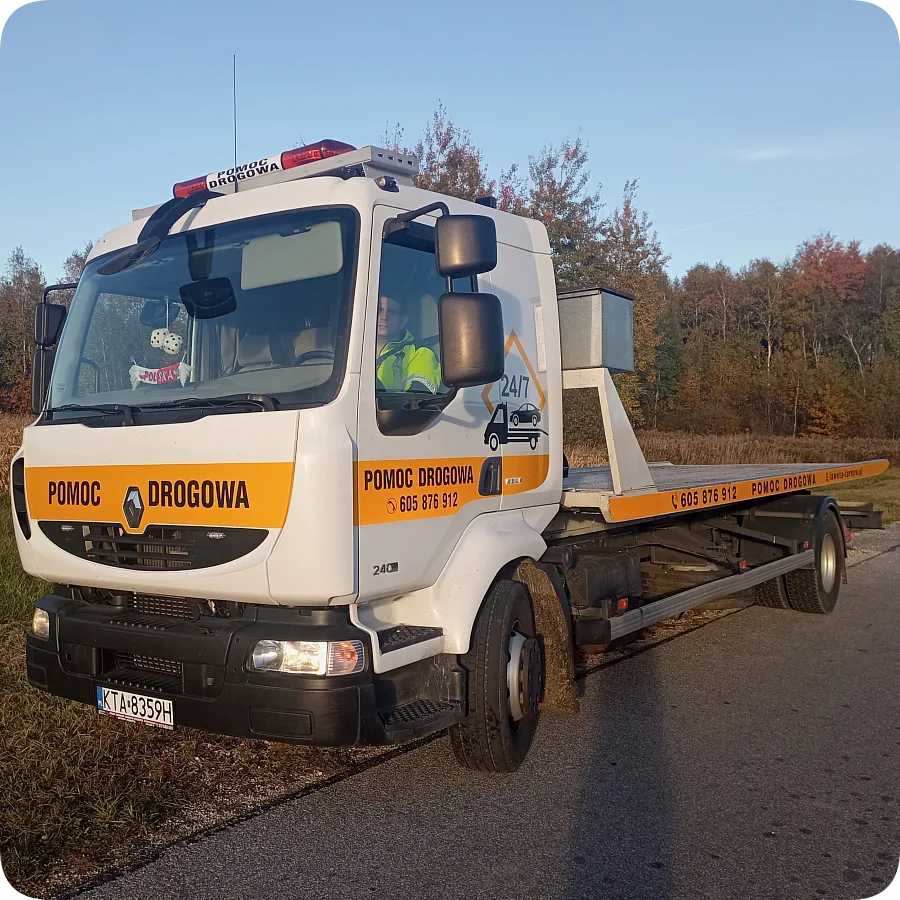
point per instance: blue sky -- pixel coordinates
(750, 126)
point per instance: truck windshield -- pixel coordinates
(259, 306)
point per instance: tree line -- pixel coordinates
(806, 345)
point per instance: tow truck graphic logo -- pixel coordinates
(515, 402)
(133, 507)
(498, 431)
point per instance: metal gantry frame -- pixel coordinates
(627, 464)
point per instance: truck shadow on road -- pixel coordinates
(622, 828)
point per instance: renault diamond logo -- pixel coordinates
(133, 507)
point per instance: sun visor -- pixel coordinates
(278, 259)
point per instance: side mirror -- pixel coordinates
(471, 329)
(41, 369)
(465, 245)
(48, 323)
(209, 299)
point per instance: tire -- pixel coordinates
(515, 419)
(772, 593)
(534, 421)
(493, 442)
(490, 739)
(816, 590)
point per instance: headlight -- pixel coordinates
(309, 657)
(40, 623)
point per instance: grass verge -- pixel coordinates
(883, 491)
(79, 792)
(17, 590)
(11, 425)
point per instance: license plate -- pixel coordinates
(135, 707)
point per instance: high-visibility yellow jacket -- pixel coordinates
(402, 366)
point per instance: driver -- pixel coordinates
(401, 365)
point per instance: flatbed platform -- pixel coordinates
(682, 489)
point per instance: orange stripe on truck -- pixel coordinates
(398, 490)
(645, 506)
(524, 472)
(401, 490)
(239, 495)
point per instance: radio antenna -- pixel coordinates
(234, 103)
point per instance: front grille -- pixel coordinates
(143, 680)
(137, 620)
(148, 664)
(159, 547)
(175, 607)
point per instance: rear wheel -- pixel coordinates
(505, 671)
(816, 590)
(772, 593)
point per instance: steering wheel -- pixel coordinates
(314, 354)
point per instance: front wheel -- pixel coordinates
(816, 590)
(505, 670)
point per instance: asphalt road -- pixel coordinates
(756, 757)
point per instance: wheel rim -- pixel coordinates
(514, 681)
(523, 677)
(828, 563)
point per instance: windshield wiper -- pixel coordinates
(260, 400)
(126, 411)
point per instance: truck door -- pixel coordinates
(520, 423)
(421, 475)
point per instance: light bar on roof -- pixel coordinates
(288, 160)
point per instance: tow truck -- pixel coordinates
(247, 533)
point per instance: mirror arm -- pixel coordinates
(398, 223)
(52, 288)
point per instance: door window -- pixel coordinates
(407, 334)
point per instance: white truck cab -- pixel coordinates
(265, 514)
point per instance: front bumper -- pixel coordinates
(200, 665)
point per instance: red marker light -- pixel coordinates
(290, 159)
(313, 153)
(623, 604)
(186, 188)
